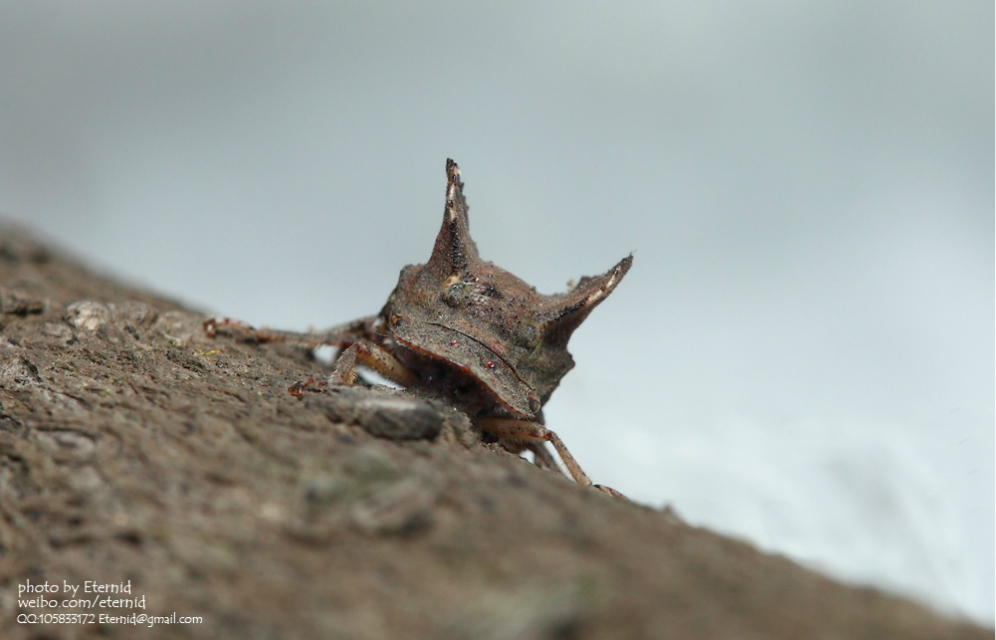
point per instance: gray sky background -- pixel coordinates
(802, 354)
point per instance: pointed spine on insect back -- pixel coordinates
(562, 313)
(454, 250)
(555, 318)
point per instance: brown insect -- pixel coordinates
(468, 331)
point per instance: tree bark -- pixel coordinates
(137, 450)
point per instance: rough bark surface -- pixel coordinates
(133, 447)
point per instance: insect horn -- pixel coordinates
(564, 312)
(454, 248)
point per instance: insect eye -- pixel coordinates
(455, 295)
(528, 336)
(534, 402)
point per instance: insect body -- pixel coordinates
(468, 331)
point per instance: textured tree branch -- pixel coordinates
(134, 447)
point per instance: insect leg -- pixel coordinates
(373, 356)
(344, 371)
(544, 460)
(515, 429)
(340, 336)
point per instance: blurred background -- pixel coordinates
(803, 352)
